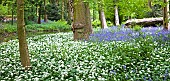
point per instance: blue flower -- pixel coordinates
(124, 67)
(127, 34)
(113, 72)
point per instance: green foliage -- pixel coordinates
(127, 9)
(137, 28)
(133, 8)
(8, 28)
(109, 23)
(53, 12)
(3, 10)
(58, 57)
(51, 26)
(96, 23)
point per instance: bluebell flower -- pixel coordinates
(127, 34)
(124, 67)
(144, 78)
(166, 75)
(113, 72)
(150, 79)
(126, 76)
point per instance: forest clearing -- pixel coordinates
(84, 40)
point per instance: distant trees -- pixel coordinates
(81, 27)
(23, 48)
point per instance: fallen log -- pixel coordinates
(144, 22)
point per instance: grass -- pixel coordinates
(58, 57)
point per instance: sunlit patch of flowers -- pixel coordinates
(57, 57)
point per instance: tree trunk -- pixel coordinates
(116, 16)
(62, 11)
(102, 15)
(166, 15)
(39, 15)
(23, 48)
(150, 4)
(45, 12)
(81, 27)
(12, 23)
(70, 10)
(102, 19)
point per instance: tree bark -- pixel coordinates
(81, 26)
(116, 16)
(23, 48)
(166, 15)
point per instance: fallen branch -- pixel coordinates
(144, 22)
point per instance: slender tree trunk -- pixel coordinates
(116, 16)
(166, 15)
(62, 12)
(81, 27)
(12, 23)
(150, 4)
(102, 15)
(70, 10)
(39, 15)
(45, 12)
(23, 48)
(102, 19)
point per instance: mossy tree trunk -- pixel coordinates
(166, 15)
(81, 26)
(23, 48)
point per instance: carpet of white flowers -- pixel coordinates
(56, 57)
